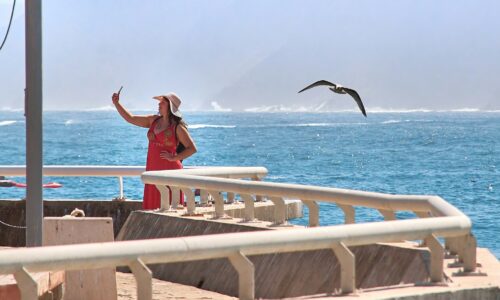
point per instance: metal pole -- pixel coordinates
(34, 160)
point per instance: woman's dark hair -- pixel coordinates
(177, 120)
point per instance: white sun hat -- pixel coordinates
(174, 100)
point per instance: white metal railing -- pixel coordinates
(438, 219)
(234, 246)
(423, 206)
(435, 209)
(254, 173)
(77, 171)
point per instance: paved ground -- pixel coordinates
(127, 289)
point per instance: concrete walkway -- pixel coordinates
(127, 289)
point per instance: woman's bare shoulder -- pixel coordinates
(151, 118)
(181, 126)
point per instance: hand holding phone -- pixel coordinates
(116, 96)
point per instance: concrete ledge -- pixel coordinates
(13, 212)
(49, 286)
(276, 275)
(81, 284)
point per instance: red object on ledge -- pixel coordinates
(10, 183)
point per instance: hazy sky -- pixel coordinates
(255, 55)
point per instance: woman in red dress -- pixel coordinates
(166, 131)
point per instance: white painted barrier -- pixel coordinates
(438, 219)
(254, 173)
(131, 253)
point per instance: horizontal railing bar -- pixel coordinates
(105, 171)
(325, 194)
(223, 172)
(55, 170)
(110, 254)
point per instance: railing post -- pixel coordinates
(120, 182)
(165, 198)
(219, 204)
(280, 210)
(388, 215)
(246, 275)
(176, 196)
(451, 244)
(249, 207)
(143, 278)
(437, 258)
(203, 197)
(190, 202)
(347, 268)
(258, 198)
(27, 284)
(349, 213)
(469, 253)
(230, 197)
(313, 212)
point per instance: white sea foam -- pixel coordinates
(420, 110)
(323, 108)
(466, 109)
(198, 126)
(321, 124)
(314, 124)
(391, 121)
(271, 177)
(308, 125)
(281, 108)
(7, 123)
(217, 107)
(10, 109)
(396, 110)
(102, 108)
(69, 122)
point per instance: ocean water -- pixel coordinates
(455, 155)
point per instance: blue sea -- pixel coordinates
(455, 155)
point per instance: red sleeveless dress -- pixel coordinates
(159, 142)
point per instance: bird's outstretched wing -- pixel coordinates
(318, 83)
(357, 98)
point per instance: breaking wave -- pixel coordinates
(7, 123)
(198, 126)
(102, 108)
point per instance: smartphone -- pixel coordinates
(120, 90)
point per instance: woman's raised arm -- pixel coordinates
(142, 121)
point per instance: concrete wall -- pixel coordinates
(277, 275)
(81, 284)
(13, 212)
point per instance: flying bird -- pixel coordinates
(337, 88)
